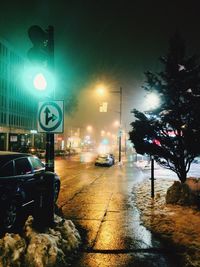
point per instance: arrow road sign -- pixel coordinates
(50, 117)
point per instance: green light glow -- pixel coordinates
(40, 82)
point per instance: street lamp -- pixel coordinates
(153, 101)
(120, 120)
(102, 132)
(116, 123)
(89, 128)
(101, 91)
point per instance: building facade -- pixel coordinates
(17, 106)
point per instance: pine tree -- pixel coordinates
(171, 132)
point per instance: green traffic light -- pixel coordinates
(39, 81)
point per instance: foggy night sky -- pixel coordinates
(109, 41)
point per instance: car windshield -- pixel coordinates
(36, 163)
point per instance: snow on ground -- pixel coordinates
(54, 247)
(164, 173)
(178, 224)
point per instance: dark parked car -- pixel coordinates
(21, 175)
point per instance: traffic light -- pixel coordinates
(39, 81)
(37, 78)
(39, 74)
(39, 38)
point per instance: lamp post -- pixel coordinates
(101, 91)
(153, 101)
(152, 176)
(120, 121)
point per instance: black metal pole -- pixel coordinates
(152, 176)
(120, 144)
(120, 129)
(49, 216)
(120, 121)
(50, 136)
(49, 152)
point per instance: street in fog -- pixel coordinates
(100, 201)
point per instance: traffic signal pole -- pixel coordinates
(49, 216)
(50, 136)
(43, 41)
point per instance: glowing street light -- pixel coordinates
(116, 124)
(101, 90)
(102, 132)
(89, 128)
(152, 100)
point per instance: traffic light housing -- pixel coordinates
(39, 74)
(39, 38)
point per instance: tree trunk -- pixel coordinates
(182, 174)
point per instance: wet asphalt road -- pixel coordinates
(100, 202)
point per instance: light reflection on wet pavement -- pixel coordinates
(100, 201)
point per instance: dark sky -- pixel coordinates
(113, 41)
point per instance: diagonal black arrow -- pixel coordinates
(53, 117)
(47, 117)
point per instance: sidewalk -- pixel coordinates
(107, 217)
(176, 224)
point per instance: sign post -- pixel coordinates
(50, 121)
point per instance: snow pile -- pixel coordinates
(179, 224)
(52, 248)
(180, 194)
(12, 249)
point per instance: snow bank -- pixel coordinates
(52, 248)
(12, 249)
(178, 224)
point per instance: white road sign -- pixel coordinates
(50, 117)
